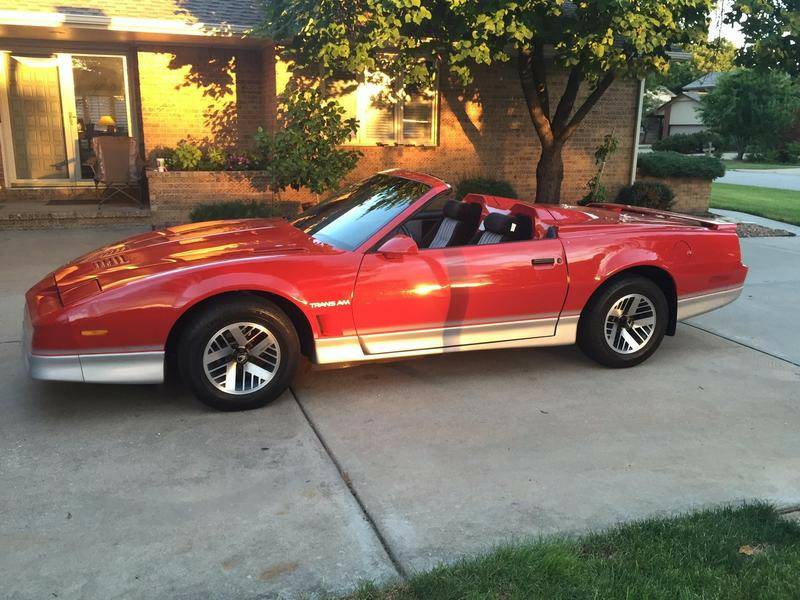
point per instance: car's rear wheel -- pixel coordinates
(624, 323)
(239, 354)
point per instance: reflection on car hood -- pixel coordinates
(186, 245)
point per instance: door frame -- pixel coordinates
(68, 113)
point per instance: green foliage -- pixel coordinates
(707, 56)
(305, 152)
(672, 164)
(597, 191)
(413, 42)
(750, 108)
(694, 555)
(485, 185)
(771, 30)
(214, 159)
(690, 143)
(239, 209)
(190, 155)
(186, 156)
(793, 152)
(411, 39)
(650, 194)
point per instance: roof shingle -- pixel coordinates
(239, 14)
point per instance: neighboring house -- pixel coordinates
(162, 70)
(681, 114)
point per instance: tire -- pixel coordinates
(604, 337)
(235, 330)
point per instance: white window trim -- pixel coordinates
(360, 139)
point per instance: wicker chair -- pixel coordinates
(117, 168)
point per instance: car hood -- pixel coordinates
(182, 246)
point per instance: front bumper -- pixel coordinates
(111, 367)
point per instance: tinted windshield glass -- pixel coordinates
(351, 217)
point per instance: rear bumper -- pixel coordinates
(703, 303)
(112, 367)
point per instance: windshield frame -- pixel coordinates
(435, 186)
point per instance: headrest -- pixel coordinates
(467, 212)
(515, 227)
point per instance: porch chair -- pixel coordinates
(117, 166)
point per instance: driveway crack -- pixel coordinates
(730, 339)
(353, 492)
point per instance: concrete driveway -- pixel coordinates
(368, 472)
(783, 179)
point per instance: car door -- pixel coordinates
(460, 295)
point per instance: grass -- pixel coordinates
(781, 205)
(692, 556)
(742, 164)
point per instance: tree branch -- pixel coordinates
(539, 72)
(587, 105)
(532, 98)
(567, 102)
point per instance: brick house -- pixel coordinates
(162, 70)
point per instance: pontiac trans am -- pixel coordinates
(393, 266)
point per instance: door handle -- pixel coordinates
(540, 262)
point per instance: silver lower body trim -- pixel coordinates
(120, 367)
(462, 335)
(349, 349)
(703, 303)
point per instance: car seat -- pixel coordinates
(460, 221)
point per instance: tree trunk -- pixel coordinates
(549, 175)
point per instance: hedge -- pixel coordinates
(673, 164)
(650, 194)
(485, 185)
(689, 143)
(239, 209)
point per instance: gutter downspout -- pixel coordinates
(637, 131)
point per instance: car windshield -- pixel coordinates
(350, 217)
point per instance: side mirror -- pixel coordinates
(399, 246)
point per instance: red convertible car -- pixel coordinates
(391, 267)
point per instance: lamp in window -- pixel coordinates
(108, 122)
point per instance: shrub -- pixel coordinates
(673, 164)
(650, 194)
(689, 143)
(306, 151)
(485, 185)
(239, 209)
(186, 156)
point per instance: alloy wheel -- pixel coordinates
(241, 358)
(630, 323)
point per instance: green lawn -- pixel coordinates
(701, 555)
(781, 205)
(741, 164)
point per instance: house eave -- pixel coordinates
(65, 25)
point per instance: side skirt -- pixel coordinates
(348, 349)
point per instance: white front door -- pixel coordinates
(51, 106)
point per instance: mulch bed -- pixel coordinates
(748, 230)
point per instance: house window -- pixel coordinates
(411, 121)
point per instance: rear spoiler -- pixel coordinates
(706, 222)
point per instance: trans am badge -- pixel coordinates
(329, 303)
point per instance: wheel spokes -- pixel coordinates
(630, 323)
(241, 358)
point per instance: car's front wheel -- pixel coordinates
(239, 354)
(624, 323)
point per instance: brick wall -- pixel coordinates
(173, 194)
(214, 93)
(487, 131)
(692, 195)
